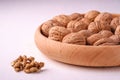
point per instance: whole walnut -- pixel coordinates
(114, 23)
(75, 26)
(97, 26)
(93, 38)
(74, 38)
(57, 33)
(75, 16)
(115, 38)
(91, 15)
(104, 17)
(85, 33)
(86, 21)
(102, 41)
(117, 31)
(106, 33)
(45, 27)
(63, 19)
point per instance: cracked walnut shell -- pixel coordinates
(57, 33)
(74, 38)
(75, 26)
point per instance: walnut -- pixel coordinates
(45, 27)
(105, 33)
(57, 33)
(75, 26)
(93, 38)
(108, 44)
(104, 17)
(115, 38)
(102, 41)
(91, 15)
(75, 16)
(86, 21)
(85, 33)
(63, 19)
(117, 31)
(74, 38)
(114, 23)
(97, 26)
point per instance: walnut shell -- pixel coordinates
(63, 19)
(74, 38)
(104, 17)
(85, 33)
(97, 26)
(75, 26)
(117, 31)
(45, 27)
(115, 38)
(102, 41)
(109, 44)
(86, 21)
(114, 23)
(91, 15)
(106, 33)
(57, 33)
(75, 16)
(93, 38)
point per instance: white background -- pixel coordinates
(18, 22)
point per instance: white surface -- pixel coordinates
(18, 22)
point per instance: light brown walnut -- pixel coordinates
(114, 23)
(85, 33)
(115, 38)
(75, 16)
(91, 15)
(117, 31)
(74, 38)
(106, 33)
(93, 38)
(57, 33)
(104, 17)
(75, 26)
(45, 27)
(86, 21)
(63, 19)
(109, 44)
(97, 26)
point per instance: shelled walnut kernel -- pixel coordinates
(28, 65)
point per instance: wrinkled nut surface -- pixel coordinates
(86, 21)
(114, 23)
(75, 26)
(109, 44)
(85, 33)
(45, 27)
(91, 15)
(106, 33)
(117, 31)
(63, 19)
(74, 38)
(57, 33)
(102, 41)
(77, 16)
(104, 17)
(93, 38)
(28, 65)
(97, 26)
(115, 38)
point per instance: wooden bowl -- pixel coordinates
(93, 56)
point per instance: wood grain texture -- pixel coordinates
(94, 56)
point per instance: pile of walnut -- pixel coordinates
(92, 28)
(28, 65)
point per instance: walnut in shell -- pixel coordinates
(114, 23)
(86, 21)
(45, 27)
(109, 44)
(74, 38)
(91, 15)
(75, 26)
(63, 19)
(97, 26)
(104, 17)
(115, 38)
(106, 33)
(57, 33)
(117, 31)
(75, 16)
(85, 33)
(93, 38)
